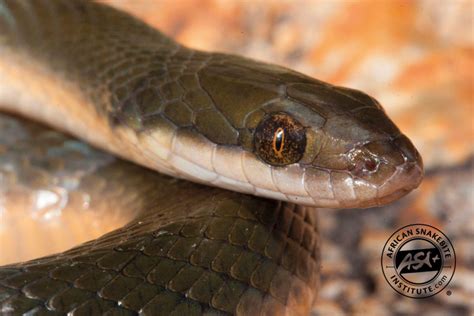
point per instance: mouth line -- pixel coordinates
(406, 177)
(411, 176)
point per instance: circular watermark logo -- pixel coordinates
(418, 261)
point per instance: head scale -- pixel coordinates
(323, 145)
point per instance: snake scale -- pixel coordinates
(283, 142)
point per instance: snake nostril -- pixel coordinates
(363, 162)
(370, 164)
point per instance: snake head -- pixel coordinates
(350, 154)
(266, 130)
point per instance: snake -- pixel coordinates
(238, 154)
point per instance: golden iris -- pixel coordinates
(279, 139)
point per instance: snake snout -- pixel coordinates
(383, 171)
(408, 151)
(407, 175)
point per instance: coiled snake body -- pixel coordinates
(212, 118)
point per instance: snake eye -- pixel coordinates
(279, 139)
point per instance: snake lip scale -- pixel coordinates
(281, 141)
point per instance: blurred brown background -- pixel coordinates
(417, 59)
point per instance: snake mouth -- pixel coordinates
(377, 173)
(405, 179)
(407, 176)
